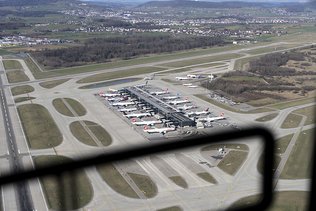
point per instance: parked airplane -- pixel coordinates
(113, 90)
(176, 102)
(149, 123)
(179, 78)
(159, 92)
(170, 97)
(101, 94)
(197, 113)
(138, 115)
(193, 76)
(187, 84)
(185, 107)
(123, 103)
(127, 109)
(193, 86)
(162, 130)
(212, 119)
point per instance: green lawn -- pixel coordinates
(23, 99)
(267, 117)
(292, 121)
(61, 107)
(39, 127)
(76, 106)
(145, 184)
(16, 76)
(298, 166)
(284, 201)
(309, 112)
(18, 90)
(115, 180)
(282, 143)
(232, 161)
(178, 180)
(277, 160)
(293, 103)
(52, 84)
(228, 146)
(12, 65)
(72, 191)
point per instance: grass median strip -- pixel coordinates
(178, 180)
(267, 117)
(207, 177)
(16, 76)
(12, 65)
(62, 108)
(291, 121)
(24, 89)
(309, 112)
(52, 84)
(72, 191)
(228, 146)
(40, 129)
(232, 161)
(115, 180)
(23, 99)
(145, 184)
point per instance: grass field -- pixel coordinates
(145, 184)
(12, 65)
(18, 90)
(282, 143)
(309, 112)
(277, 160)
(39, 127)
(267, 117)
(80, 132)
(228, 146)
(173, 208)
(72, 191)
(207, 177)
(16, 76)
(52, 84)
(61, 107)
(298, 166)
(291, 121)
(232, 161)
(116, 181)
(292, 103)
(178, 180)
(119, 74)
(241, 63)
(285, 200)
(23, 99)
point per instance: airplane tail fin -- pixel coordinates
(222, 114)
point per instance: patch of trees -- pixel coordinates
(110, 22)
(11, 25)
(104, 49)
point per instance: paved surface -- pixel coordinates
(200, 195)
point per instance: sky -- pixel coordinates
(202, 0)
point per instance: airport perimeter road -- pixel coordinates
(22, 191)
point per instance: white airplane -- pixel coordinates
(159, 92)
(149, 123)
(193, 86)
(101, 94)
(179, 78)
(197, 113)
(211, 76)
(185, 107)
(123, 103)
(113, 90)
(193, 76)
(162, 130)
(212, 119)
(127, 109)
(138, 115)
(176, 102)
(187, 84)
(170, 97)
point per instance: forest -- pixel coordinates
(99, 50)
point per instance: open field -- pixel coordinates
(119, 74)
(12, 65)
(227, 146)
(180, 70)
(62, 108)
(309, 112)
(178, 180)
(115, 180)
(207, 177)
(285, 200)
(174, 208)
(232, 161)
(39, 127)
(277, 160)
(80, 132)
(292, 121)
(71, 191)
(298, 166)
(267, 117)
(52, 84)
(292, 103)
(202, 60)
(23, 99)
(16, 76)
(271, 49)
(145, 184)
(18, 90)
(282, 143)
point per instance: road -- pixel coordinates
(21, 189)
